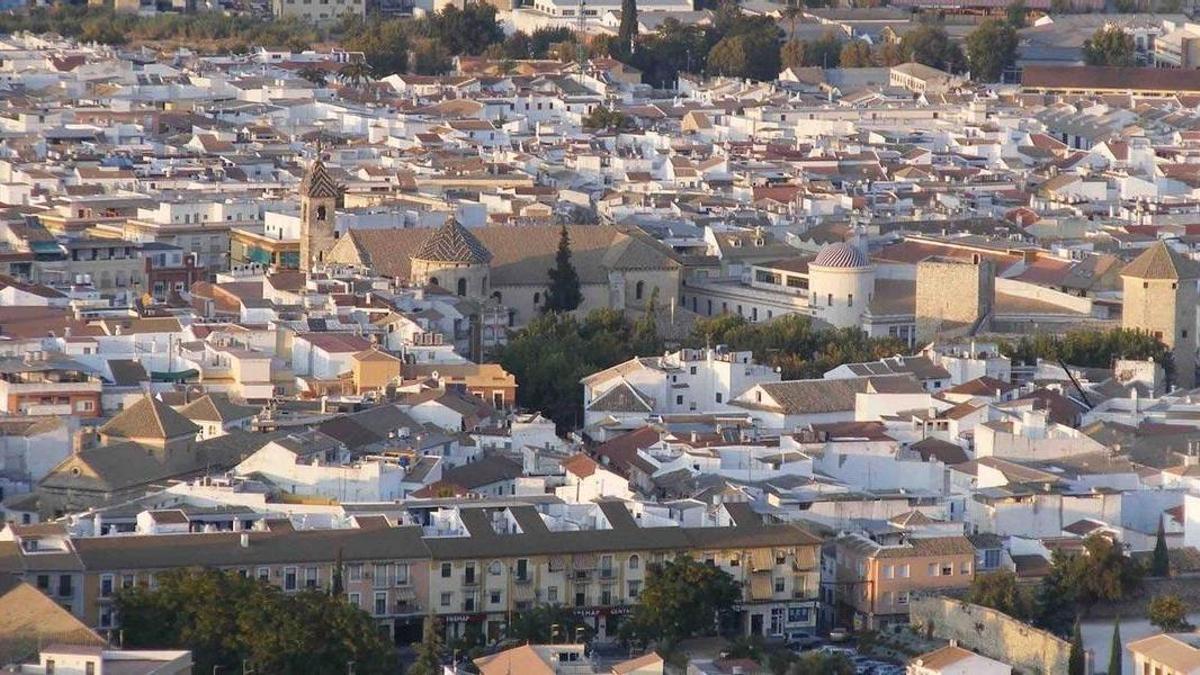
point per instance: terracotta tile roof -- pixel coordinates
(1160, 261)
(149, 418)
(453, 243)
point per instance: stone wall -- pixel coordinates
(952, 295)
(993, 634)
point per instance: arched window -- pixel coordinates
(495, 568)
(483, 286)
(496, 296)
(462, 287)
(321, 212)
(639, 290)
(433, 281)
(634, 561)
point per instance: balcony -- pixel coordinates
(607, 574)
(470, 580)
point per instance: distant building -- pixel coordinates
(320, 12)
(1160, 298)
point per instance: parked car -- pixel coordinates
(800, 641)
(839, 634)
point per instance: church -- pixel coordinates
(507, 265)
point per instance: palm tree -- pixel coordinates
(793, 12)
(314, 75)
(355, 73)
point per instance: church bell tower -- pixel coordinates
(318, 201)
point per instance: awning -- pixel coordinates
(762, 559)
(523, 593)
(762, 587)
(584, 561)
(557, 563)
(806, 558)
(177, 376)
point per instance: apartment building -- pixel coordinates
(44, 384)
(467, 566)
(873, 582)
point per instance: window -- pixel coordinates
(43, 582)
(446, 597)
(380, 603)
(494, 597)
(850, 300)
(522, 570)
(933, 569)
(289, 579)
(89, 668)
(312, 577)
(401, 574)
(829, 300)
(902, 571)
(462, 287)
(780, 585)
(106, 586)
(639, 290)
(355, 599)
(964, 568)
(354, 572)
(634, 561)
(635, 587)
(379, 575)
(127, 580)
(948, 569)
(889, 572)
(50, 662)
(735, 561)
(446, 570)
(552, 594)
(902, 597)
(679, 399)
(718, 397)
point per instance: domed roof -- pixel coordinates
(453, 243)
(841, 255)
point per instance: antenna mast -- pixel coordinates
(580, 36)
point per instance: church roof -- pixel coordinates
(318, 183)
(149, 418)
(1160, 261)
(453, 243)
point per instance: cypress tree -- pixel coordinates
(564, 294)
(336, 586)
(627, 31)
(1076, 663)
(1115, 662)
(1160, 564)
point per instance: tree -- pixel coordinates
(429, 650)
(355, 73)
(314, 75)
(1000, 591)
(1092, 348)
(553, 352)
(748, 49)
(793, 54)
(931, 45)
(1160, 564)
(682, 598)
(1014, 14)
(855, 54)
(226, 619)
(817, 663)
(564, 294)
(605, 118)
(628, 29)
(1168, 613)
(1076, 660)
(429, 57)
(991, 49)
(1076, 582)
(1108, 46)
(547, 623)
(1116, 651)
(336, 584)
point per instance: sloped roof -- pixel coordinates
(453, 243)
(1160, 261)
(318, 184)
(622, 398)
(149, 418)
(217, 408)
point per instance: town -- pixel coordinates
(657, 336)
